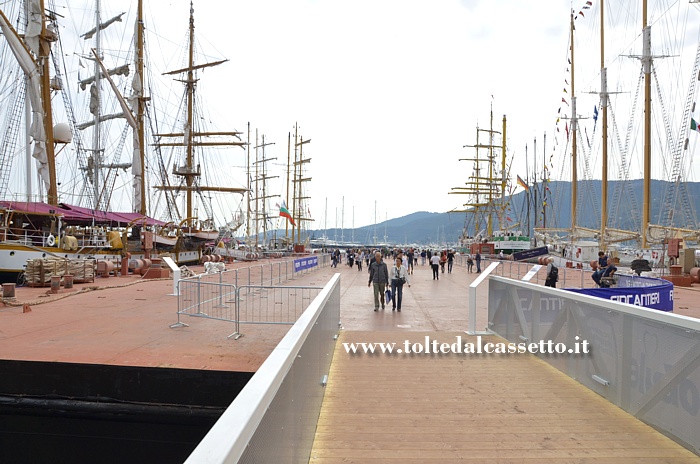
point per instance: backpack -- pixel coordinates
(554, 273)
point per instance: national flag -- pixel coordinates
(522, 183)
(595, 114)
(694, 125)
(284, 212)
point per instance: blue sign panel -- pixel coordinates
(305, 263)
(532, 253)
(652, 293)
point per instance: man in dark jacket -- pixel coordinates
(379, 275)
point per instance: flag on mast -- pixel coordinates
(284, 212)
(522, 183)
(694, 125)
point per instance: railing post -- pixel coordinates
(199, 294)
(221, 289)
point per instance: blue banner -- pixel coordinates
(638, 291)
(305, 263)
(532, 253)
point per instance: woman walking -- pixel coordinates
(399, 277)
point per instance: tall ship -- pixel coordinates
(490, 226)
(77, 205)
(637, 119)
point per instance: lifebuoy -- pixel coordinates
(51, 240)
(654, 254)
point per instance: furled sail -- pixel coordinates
(31, 69)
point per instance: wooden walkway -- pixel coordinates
(385, 408)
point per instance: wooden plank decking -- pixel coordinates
(464, 408)
(471, 408)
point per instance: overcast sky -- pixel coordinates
(387, 91)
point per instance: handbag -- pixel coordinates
(401, 280)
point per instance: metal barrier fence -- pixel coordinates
(274, 417)
(274, 272)
(223, 295)
(256, 304)
(568, 277)
(647, 362)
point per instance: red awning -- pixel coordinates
(79, 214)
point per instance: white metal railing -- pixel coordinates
(645, 361)
(273, 419)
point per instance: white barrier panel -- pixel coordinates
(643, 360)
(176, 274)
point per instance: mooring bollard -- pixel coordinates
(55, 284)
(67, 281)
(8, 290)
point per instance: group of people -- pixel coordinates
(602, 271)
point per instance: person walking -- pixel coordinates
(422, 258)
(379, 276)
(399, 277)
(450, 261)
(552, 274)
(359, 261)
(477, 258)
(443, 260)
(470, 264)
(435, 264)
(334, 258)
(409, 256)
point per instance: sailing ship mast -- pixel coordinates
(574, 173)
(481, 186)
(191, 137)
(34, 55)
(604, 108)
(44, 59)
(297, 185)
(646, 63)
(139, 161)
(261, 195)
